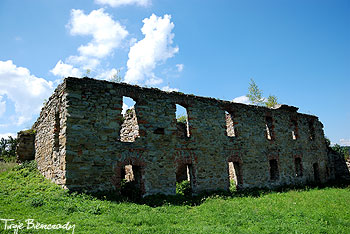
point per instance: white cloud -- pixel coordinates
(153, 49)
(108, 74)
(242, 99)
(153, 81)
(179, 67)
(2, 106)
(107, 34)
(168, 89)
(344, 142)
(6, 135)
(64, 70)
(83, 62)
(117, 3)
(24, 89)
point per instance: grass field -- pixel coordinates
(25, 194)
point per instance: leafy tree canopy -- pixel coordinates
(255, 96)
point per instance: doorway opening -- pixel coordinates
(184, 179)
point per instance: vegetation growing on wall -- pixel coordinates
(255, 96)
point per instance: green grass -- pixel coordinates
(25, 194)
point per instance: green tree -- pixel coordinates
(8, 147)
(271, 101)
(116, 78)
(342, 150)
(182, 118)
(255, 96)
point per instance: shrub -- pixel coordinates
(182, 119)
(184, 188)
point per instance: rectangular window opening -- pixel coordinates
(298, 167)
(274, 173)
(182, 124)
(311, 130)
(235, 175)
(295, 129)
(269, 128)
(230, 125)
(57, 132)
(129, 130)
(159, 131)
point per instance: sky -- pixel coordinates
(295, 49)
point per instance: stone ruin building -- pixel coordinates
(83, 142)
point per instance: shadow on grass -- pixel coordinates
(180, 199)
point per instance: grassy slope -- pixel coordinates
(26, 194)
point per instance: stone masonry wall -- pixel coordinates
(269, 147)
(50, 137)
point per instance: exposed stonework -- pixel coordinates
(83, 142)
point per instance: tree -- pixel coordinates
(255, 96)
(116, 78)
(271, 101)
(342, 150)
(8, 147)
(182, 118)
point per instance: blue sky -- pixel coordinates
(297, 50)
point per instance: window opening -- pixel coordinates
(311, 129)
(298, 167)
(274, 174)
(269, 128)
(183, 128)
(230, 125)
(295, 129)
(129, 130)
(159, 131)
(57, 132)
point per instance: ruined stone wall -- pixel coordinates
(50, 137)
(25, 149)
(269, 147)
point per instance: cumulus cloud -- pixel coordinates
(6, 135)
(107, 35)
(179, 67)
(242, 99)
(168, 89)
(153, 49)
(344, 142)
(117, 3)
(108, 74)
(64, 70)
(24, 89)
